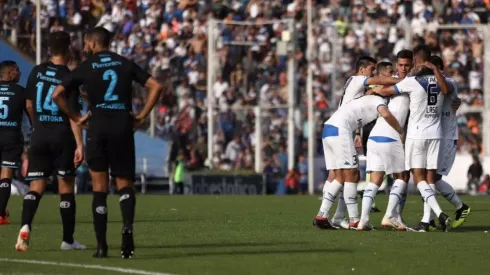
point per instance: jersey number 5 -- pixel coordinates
(112, 76)
(432, 94)
(4, 109)
(48, 103)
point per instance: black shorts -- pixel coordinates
(110, 147)
(51, 153)
(11, 148)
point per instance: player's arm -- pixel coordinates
(382, 80)
(154, 90)
(29, 111)
(73, 81)
(390, 119)
(386, 91)
(441, 80)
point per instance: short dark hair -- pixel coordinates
(100, 35)
(404, 54)
(381, 67)
(6, 65)
(59, 43)
(422, 51)
(437, 60)
(364, 61)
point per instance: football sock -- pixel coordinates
(350, 197)
(127, 201)
(68, 211)
(429, 197)
(29, 207)
(332, 189)
(395, 198)
(368, 200)
(448, 193)
(4, 195)
(341, 207)
(99, 212)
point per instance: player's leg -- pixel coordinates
(404, 177)
(10, 157)
(6, 175)
(98, 168)
(122, 163)
(447, 155)
(376, 179)
(66, 188)
(351, 178)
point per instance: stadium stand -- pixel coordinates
(168, 38)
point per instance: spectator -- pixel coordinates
(475, 172)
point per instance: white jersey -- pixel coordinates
(354, 88)
(355, 114)
(426, 102)
(448, 120)
(398, 106)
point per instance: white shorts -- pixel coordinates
(388, 157)
(447, 155)
(421, 153)
(340, 152)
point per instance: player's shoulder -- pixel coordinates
(11, 86)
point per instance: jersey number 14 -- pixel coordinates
(48, 103)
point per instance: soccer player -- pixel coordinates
(447, 154)
(385, 155)
(107, 79)
(355, 87)
(398, 193)
(424, 126)
(340, 152)
(56, 143)
(12, 105)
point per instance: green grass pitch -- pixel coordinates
(249, 235)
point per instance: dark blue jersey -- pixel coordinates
(12, 106)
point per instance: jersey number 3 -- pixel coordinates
(48, 103)
(112, 76)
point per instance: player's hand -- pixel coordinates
(402, 136)
(430, 65)
(358, 141)
(137, 121)
(79, 157)
(83, 121)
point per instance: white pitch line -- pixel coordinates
(85, 266)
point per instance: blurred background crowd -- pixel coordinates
(169, 39)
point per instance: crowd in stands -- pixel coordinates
(169, 38)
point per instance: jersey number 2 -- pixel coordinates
(432, 93)
(112, 76)
(4, 109)
(48, 103)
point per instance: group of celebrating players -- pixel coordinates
(417, 99)
(52, 101)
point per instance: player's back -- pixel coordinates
(448, 119)
(354, 88)
(40, 86)
(12, 104)
(398, 107)
(426, 102)
(356, 113)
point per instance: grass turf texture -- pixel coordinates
(250, 235)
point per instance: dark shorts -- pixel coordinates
(51, 153)
(11, 148)
(111, 148)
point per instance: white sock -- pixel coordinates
(427, 210)
(341, 207)
(350, 197)
(429, 197)
(368, 200)
(448, 193)
(395, 198)
(331, 191)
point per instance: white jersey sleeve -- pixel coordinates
(354, 88)
(426, 102)
(356, 114)
(448, 119)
